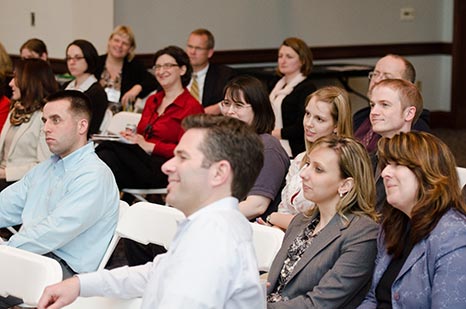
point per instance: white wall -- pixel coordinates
(58, 22)
(243, 24)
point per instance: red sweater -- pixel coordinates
(4, 109)
(165, 130)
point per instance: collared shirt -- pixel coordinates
(84, 86)
(211, 263)
(165, 130)
(200, 81)
(66, 206)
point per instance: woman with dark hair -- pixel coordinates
(137, 165)
(327, 256)
(124, 78)
(246, 99)
(22, 141)
(82, 59)
(34, 48)
(422, 244)
(289, 94)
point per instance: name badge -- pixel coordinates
(113, 95)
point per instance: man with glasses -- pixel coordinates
(208, 79)
(389, 67)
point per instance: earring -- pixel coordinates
(341, 195)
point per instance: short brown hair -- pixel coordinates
(407, 92)
(232, 140)
(304, 53)
(210, 36)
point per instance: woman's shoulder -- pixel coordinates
(450, 231)
(362, 223)
(306, 85)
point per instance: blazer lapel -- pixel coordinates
(21, 129)
(416, 253)
(279, 259)
(326, 236)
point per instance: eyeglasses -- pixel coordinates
(75, 58)
(197, 48)
(379, 75)
(165, 66)
(226, 105)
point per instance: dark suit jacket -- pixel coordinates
(215, 80)
(336, 269)
(293, 114)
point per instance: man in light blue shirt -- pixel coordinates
(68, 204)
(211, 262)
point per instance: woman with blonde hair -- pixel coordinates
(124, 78)
(290, 92)
(22, 141)
(327, 256)
(327, 112)
(422, 244)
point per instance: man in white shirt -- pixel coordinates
(211, 261)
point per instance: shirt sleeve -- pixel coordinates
(79, 209)
(124, 282)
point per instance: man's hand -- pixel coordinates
(60, 294)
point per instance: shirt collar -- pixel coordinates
(84, 86)
(73, 158)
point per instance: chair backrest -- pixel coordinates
(145, 223)
(25, 274)
(105, 302)
(150, 223)
(114, 241)
(120, 120)
(461, 175)
(267, 242)
(106, 121)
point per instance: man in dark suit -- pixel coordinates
(208, 79)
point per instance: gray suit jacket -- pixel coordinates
(336, 269)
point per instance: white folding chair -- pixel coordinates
(267, 242)
(24, 274)
(104, 303)
(120, 120)
(461, 175)
(114, 241)
(147, 223)
(140, 194)
(106, 121)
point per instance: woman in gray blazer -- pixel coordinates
(327, 256)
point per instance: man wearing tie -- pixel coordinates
(208, 79)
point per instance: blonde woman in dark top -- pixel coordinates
(124, 78)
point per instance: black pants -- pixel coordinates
(139, 254)
(132, 166)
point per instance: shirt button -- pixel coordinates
(396, 296)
